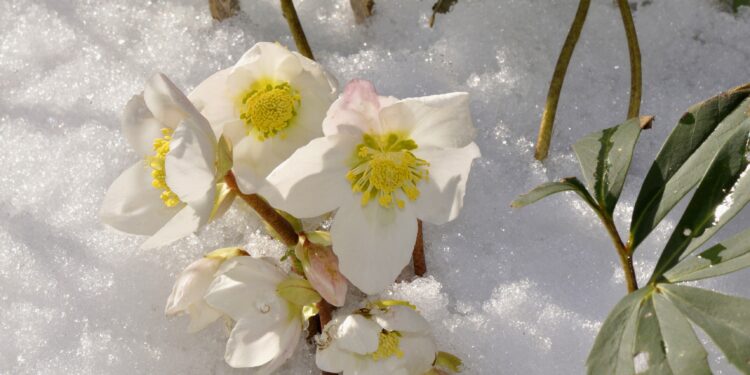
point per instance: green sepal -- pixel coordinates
(300, 295)
(386, 303)
(223, 157)
(448, 361)
(222, 200)
(226, 253)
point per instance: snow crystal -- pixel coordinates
(510, 291)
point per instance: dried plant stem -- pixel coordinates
(558, 77)
(282, 226)
(223, 9)
(295, 27)
(420, 265)
(635, 59)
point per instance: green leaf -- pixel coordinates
(612, 353)
(448, 361)
(725, 319)
(685, 156)
(605, 159)
(549, 188)
(723, 258)
(738, 3)
(684, 353)
(722, 192)
(298, 292)
(649, 348)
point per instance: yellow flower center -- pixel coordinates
(268, 108)
(156, 162)
(388, 345)
(384, 168)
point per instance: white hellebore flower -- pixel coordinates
(192, 284)
(271, 102)
(383, 163)
(268, 323)
(392, 340)
(170, 193)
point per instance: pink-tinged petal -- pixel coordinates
(442, 195)
(357, 106)
(437, 120)
(323, 273)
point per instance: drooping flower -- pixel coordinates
(271, 102)
(268, 307)
(170, 193)
(192, 284)
(381, 339)
(321, 267)
(383, 163)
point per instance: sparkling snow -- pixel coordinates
(509, 291)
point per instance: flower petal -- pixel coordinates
(402, 319)
(183, 224)
(255, 341)
(419, 352)
(168, 104)
(140, 127)
(245, 280)
(358, 334)
(191, 285)
(290, 337)
(357, 106)
(313, 180)
(442, 195)
(323, 273)
(133, 205)
(201, 316)
(333, 359)
(373, 243)
(438, 120)
(190, 166)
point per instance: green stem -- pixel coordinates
(558, 77)
(635, 59)
(626, 256)
(295, 27)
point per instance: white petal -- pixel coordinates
(358, 334)
(191, 285)
(290, 337)
(190, 166)
(202, 315)
(184, 223)
(358, 106)
(334, 359)
(439, 120)
(133, 205)
(255, 341)
(373, 244)
(247, 286)
(212, 98)
(265, 55)
(402, 319)
(168, 104)
(313, 181)
(442, 195)
(419, 352)
(140, 127)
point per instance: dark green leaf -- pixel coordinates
(722, 192)
(605, 159)
(549, 188)
(612, 353)
(684, 353)
(649, 354)
(441, 6)
(725, 319)
(685, 156)
(723, 258)
(738, 3)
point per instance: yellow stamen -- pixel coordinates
(156, 162)
(268, 108)
(388, 345)
(386, 169)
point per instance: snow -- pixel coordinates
(509, 291)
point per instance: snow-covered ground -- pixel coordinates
(510, 291)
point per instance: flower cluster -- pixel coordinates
(274, 130)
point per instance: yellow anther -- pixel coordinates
(388, 345)
(268, 108)
(385, 168)
(156, 162)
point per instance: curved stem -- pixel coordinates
(295, 27)
(626, 255)
(282, 226)
(635, 59)
(555, 86)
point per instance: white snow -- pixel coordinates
(509, 291)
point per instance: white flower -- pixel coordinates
(383, 163)
(170, 193)
(271, 102)
(268, 326)
(375, 341)
(192, 284)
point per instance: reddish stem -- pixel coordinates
(420, 264)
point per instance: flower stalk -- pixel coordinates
(420, 264)
(295, 27)
(635, 59)
(558, 77)
(623, 251)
